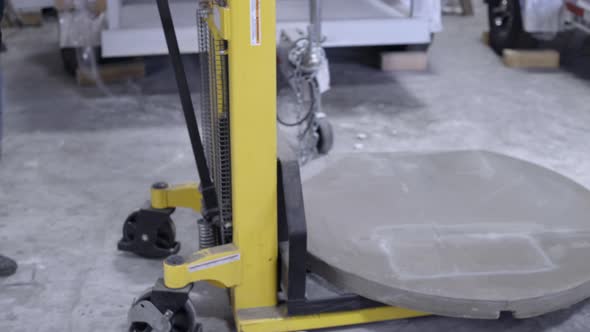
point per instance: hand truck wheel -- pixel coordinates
(325, 135)
(146, 315)
(150, 233)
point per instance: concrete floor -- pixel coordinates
(76, 161)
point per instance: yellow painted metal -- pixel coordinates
(220, 22)
(185, 195)
(273, 320)
(249, 265)
(219, 265)
(252, 92)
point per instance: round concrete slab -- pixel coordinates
(462, 233)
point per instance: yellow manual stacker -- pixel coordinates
(252, 231)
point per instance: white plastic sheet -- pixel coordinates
(80, 28)
(429, 9)
(542, 16)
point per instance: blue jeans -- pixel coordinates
(1, 106)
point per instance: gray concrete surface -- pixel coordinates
(76, 161)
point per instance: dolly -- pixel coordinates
(468, 233)
(253, 230)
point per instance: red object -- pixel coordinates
(578, 11)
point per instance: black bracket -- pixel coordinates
(293, 244)
(165, 298)
(147, 223)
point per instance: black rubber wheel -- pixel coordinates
(166, 236)
(184, 320)
(7, 266)
(325, 136)
(506, 27)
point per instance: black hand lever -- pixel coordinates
(207, 187)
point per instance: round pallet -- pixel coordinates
(462, 233)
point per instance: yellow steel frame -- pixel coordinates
(185, 195)
(248, 266)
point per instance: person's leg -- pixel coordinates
(2, 46)
(7, 266)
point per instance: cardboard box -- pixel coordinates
(31, 19)
(97, 6)
(100, 6)
(115, 72)
(64, 5)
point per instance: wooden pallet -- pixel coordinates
(34, 19)
(463, 7)
(111, 73)
(485, 38)
(404, 61)
(533, 59)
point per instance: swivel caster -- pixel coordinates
(164, 310)
(325, 135)
(150, 233)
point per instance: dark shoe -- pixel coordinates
(7, 266)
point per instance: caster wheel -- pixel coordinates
(325, 136)
(150, 233)
(165, 235)
(144, 316)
